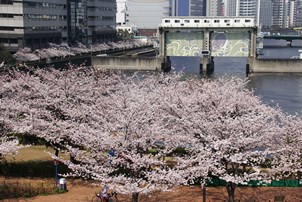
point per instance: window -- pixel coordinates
(216, 21)
(247, 20)
(167, 21)
(177, 21)
(7, 28)
(206, 21)
(6, 2)
(187, 21)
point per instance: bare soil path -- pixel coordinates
(84, 191)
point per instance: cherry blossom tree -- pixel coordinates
(91, 112)
(44, 103)
(108, 123)
(287, 160)
(126, 130)
(64, 50)
(8, 145)
(231, 129)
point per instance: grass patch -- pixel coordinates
(34, 153)
(32, 162)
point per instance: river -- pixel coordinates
(275, 89)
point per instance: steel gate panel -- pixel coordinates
(228, 44)
(184, 43)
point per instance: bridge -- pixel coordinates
(207, 37)
(288, 38)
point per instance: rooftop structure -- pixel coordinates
(200, 22)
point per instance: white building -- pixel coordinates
(292, 13)
(146, 14)
(121, 11)
(231, 7)
(241, 7)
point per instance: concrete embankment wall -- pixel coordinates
(127, 63)
(275, 65)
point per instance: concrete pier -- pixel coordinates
(127, 63)
(206, 65)
(274, 65)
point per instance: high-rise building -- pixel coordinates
(247, 7)
(231, 7)
(280, 13)
(214, 8)
(262, 11)
(298, 22)
(91, 21)
(265, 16)
(241, 7)
(188, 7)
(292, 13)
(34, 23)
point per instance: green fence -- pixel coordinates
(257, 183)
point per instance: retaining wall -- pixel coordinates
(127, 63)
(275, 65)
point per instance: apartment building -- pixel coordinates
(262, 11)
(265, 16)
(280, 12)
(298, 22)
(292, 13)
(231, 7)
(35, 23)
(214, 8)
(248, 7)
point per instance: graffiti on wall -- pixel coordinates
(225, 44)
(230, 44)
(184, 43)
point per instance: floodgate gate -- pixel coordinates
(207, 37)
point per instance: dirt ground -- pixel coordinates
(84, 191)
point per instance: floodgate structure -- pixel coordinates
(207, 38)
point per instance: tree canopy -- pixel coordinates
(143, 132)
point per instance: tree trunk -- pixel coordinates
(204, 194)
(231, 191)
(135, 197)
